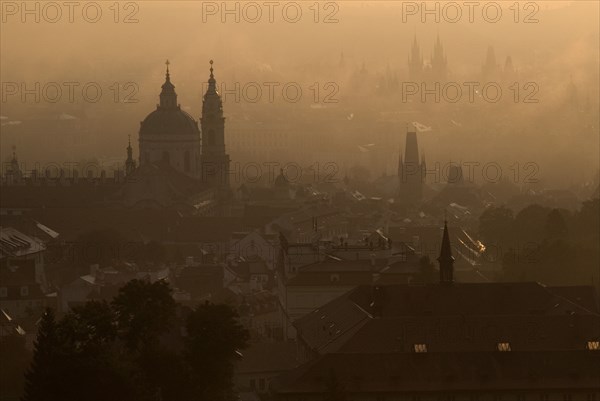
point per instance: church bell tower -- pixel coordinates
(215, 162)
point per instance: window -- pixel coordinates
(3, 292)
(593, 345)
(504, 347)
(261, 384)
(253, 384)
(165, 156)
(24, 291)
(419, 348)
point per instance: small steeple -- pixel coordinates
(212, 104)
(168, 97)
(130, 163)
(446, 260)
(212, 82)
(13, 172)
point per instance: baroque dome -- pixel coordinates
(168, 118)
(169, 121)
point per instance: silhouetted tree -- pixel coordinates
(15, 360)
(214, 339)
(144, 310)
(568, 252)
(43, 379)
(495, 224)
(133, 349)
(555, 227)
(529, 225)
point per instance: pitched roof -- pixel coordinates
(398, 309)
(445, 372)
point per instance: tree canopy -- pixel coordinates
(140, 346)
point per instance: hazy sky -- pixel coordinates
(562, 45)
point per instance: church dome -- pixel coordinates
(168, 118)
(169, 121)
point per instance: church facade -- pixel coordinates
(172, 136)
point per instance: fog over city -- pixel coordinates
(559, 56)
(299, 200)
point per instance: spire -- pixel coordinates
(168, 97)
(212, 105)
(130, 163)
(212, 82)
(15, 169)
(446, 260)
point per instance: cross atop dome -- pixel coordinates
(168, 97)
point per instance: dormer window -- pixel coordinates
(593, 345)
(3, 292)
(420, 348)
(504, 347)
(335, 278)
(24, 291)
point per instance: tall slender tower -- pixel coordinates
(490, 67)
(439, 61)
(446, 260)
(215, 162)
(411, 172)
(130, 162)
(415, 61)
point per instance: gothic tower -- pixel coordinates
(415, 61)
(446, 260)
(439, 61)
(411, 172)
(215, 162)
(490, 67)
